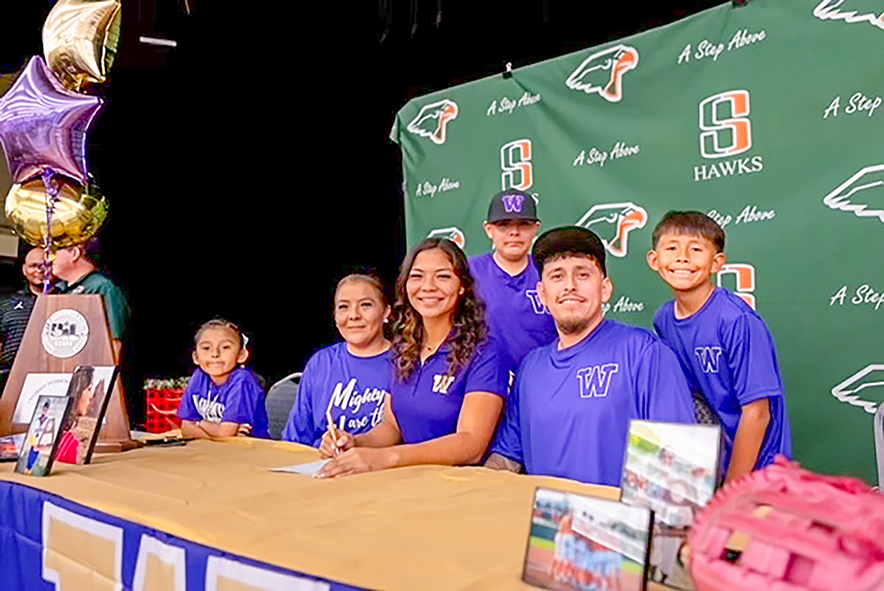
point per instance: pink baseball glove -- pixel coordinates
(784, 528)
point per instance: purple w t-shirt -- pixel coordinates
(351, 388)
(569, 412)
(239, 400)
(515, 316)
(427, 405)
(728, 354)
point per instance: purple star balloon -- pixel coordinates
(43, 125)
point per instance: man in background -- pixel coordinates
(15, 311)
(77, 268)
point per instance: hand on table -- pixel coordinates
(357, 460)
(244, 430)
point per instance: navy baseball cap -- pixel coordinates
(512, 205)
(569, 240)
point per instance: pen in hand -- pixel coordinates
(332, 430)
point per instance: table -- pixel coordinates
(423, 527)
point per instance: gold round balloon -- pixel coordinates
(80, 40)
(76, 217)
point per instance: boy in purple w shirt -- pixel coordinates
(724, 347)
(507, 278)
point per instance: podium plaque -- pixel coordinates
(65, 331)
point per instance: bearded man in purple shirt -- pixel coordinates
(569, 412)
(507, 278)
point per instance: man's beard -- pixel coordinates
(570, 326)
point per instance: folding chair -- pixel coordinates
(280, 399)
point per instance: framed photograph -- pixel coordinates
(10, 445)
(580, 542)
(672, 469)
(89, 390)
(36, 385)
(40, 445)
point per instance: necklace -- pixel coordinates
(432, 347)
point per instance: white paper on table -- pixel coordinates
(51, 384)
(307, 469)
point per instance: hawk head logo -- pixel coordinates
(853, 194)
(453, 234)
(856, 389)
(613, 222)
(602, 72)
(432, 121)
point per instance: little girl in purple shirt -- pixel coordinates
(223, 399)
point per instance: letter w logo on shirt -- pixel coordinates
(595, 380)
(441, 383)
(538, 306)
(708, 357)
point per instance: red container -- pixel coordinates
(162, 406)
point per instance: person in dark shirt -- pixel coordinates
(15, 311)
(77, 269)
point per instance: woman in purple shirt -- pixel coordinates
(449, 380)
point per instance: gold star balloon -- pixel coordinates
(76, 214)
(80, 40)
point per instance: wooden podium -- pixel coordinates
(56, 341)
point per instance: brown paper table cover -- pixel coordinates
(423, 527)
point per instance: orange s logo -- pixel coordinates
(745, 275)
(515, 162)
(724, 123)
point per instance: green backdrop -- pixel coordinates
(766, 116)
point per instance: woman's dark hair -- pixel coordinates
(98, 396)
(468, 321)
(365, 278)
(80, 380)
(379, 288)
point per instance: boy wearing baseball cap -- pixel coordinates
(723, 345)
(507, 279)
